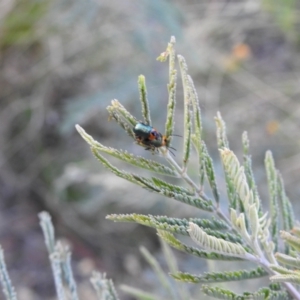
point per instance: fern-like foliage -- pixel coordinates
(262, 294)
(7, 287)
(220, 276)
(247, 233)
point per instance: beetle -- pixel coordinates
(149, 137)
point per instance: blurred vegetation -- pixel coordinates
(20, 26)
(285, 14)
(61, 62)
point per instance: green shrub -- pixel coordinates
(268, 239)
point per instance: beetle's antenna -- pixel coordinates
(171, 148)
(171, 151)
(175, 135)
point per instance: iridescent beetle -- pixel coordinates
(150, 137)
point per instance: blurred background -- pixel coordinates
(61, 63)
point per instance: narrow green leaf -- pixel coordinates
(172, 57)
(287, 213)
(240, 225)
(169, 127)
(273, 195)
(119, 109)
(172, 187)
(68, 272)
(175, 243)
(254, 222)
(230, 173)
(196, 110)
(128, 176)
(55, 260)
(221, 276)
(137, 161)
(213, 223)
(290, 212)
(171, 228)
(144, 100)
(178, 226)
(198, 202)
(291, 240)
(288, 260)
(210, 173)
(149, 220)
(197, 135)
(48, 230)
(113, 114)
(221, 132)
(187, 114)
(246, 200)
(262, 294)
(281, 270)
(248, 168)
(185, 277)
(269, 294)
(201, 159)
(104, 287)
(146, 183)
(217, 245)
(237, 185)
(137, 218)
(219, 293)
(292, 278)
(226, 236)
(166, 190)
(7, 287)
